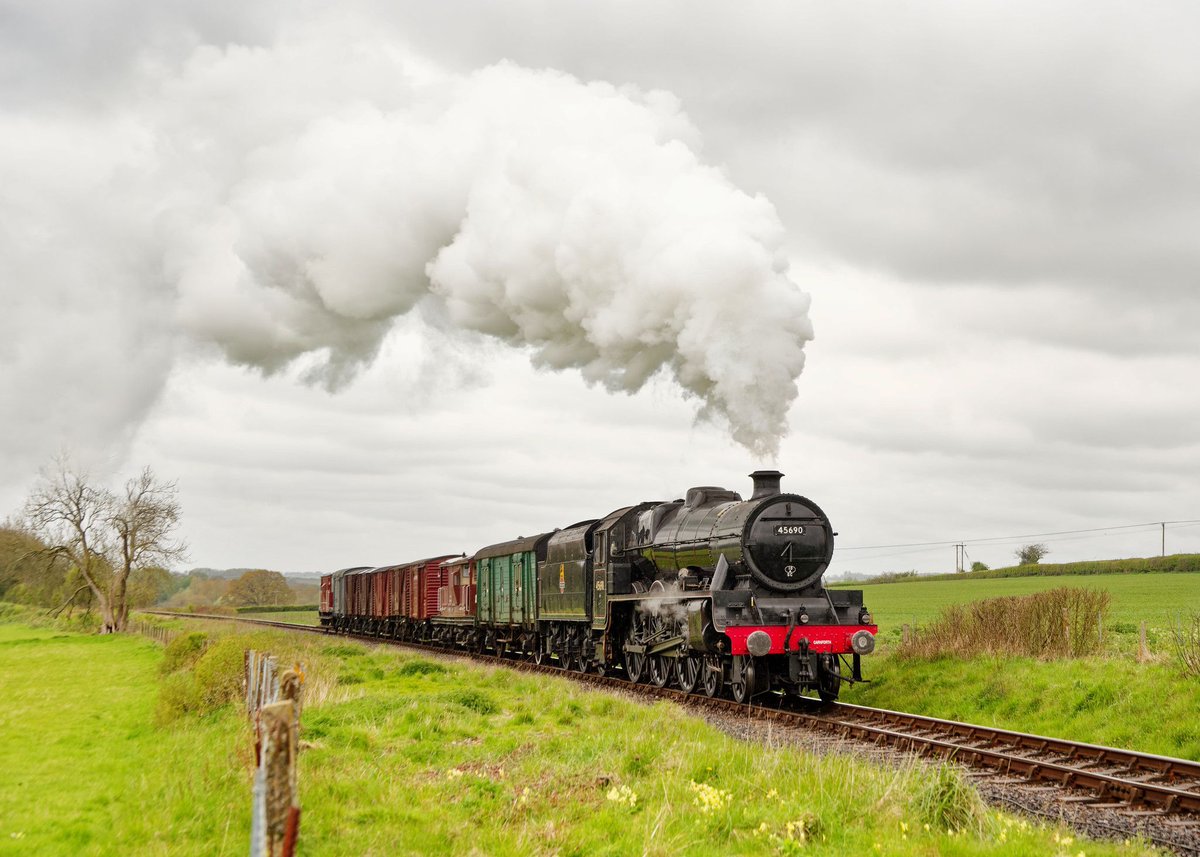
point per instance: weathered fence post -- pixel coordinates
(1100, 627)
(273, 704)
(905, 637)
(1143, 649)
(1067, 630)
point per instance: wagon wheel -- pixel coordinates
(829, 678)
(714, 675)
(687, 672)
(741, 685)
(635, 662)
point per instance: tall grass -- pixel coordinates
(1186, 637)
(1056, 623)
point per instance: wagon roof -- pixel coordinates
(409, 564)
(362, 569)
(515, 546)
(354, 569)
(433, 559)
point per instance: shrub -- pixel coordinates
(892, 576)
(183, 652)
(219, 672)
(1056, 623)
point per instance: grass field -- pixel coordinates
(296, 617)
(1155, 598)
(85, 770)
(407, 755)
(1107, 699)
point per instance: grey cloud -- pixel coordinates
(945, 143)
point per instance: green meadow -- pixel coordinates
(1154, 598)
(1110, 698)
(111, 745)
(294, 617)
(86, 770)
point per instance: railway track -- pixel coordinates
(1161, 795)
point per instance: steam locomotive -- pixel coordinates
(710, 592)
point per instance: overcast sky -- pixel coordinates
(395, 280)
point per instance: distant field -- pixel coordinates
(1155, 598)
(296, 617)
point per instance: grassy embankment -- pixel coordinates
(1109, 698)
(295, 617)
(406, 755)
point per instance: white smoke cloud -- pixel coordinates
(293, 202)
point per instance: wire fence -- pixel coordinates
(273, 703)
(153, 631)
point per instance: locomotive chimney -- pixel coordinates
(766, 483)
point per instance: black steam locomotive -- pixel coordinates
(710, 592)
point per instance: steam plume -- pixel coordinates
(304, 200)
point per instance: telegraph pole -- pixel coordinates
(1164, 537)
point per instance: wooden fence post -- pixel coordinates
(1067, 630)
(1143, 649)
(278, 722)
(273, 704)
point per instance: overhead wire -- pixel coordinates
(1003, 539)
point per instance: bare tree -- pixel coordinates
(104, 535)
